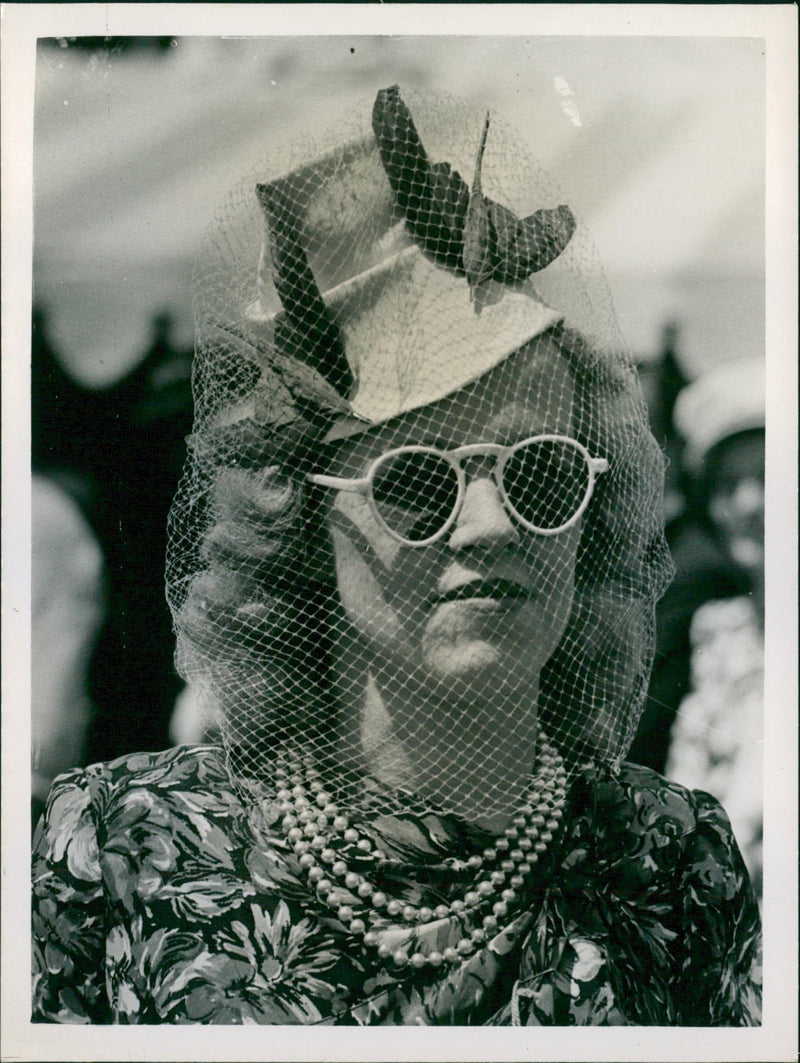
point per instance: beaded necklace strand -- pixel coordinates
(386, 923)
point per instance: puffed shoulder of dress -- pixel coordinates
(160, 898)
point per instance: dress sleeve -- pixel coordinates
(68, 909)
(720, 977)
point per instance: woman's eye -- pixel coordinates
(400, 487)
(415, 481)
(546, 482)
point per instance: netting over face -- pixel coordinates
(421, 513)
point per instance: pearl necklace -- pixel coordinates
(388, 924)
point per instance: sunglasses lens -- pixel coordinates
(546, 482)
(415, 492)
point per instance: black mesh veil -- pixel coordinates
(355, 296)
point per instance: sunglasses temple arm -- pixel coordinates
(338, 483)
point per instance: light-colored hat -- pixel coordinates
(730, 398)
(413, 325)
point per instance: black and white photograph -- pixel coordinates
(399, 531)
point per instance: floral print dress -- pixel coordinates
(159, 897)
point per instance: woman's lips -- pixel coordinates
(495, 590)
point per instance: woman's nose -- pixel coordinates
(482, 520)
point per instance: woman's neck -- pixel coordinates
(464, 752)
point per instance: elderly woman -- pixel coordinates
(413, 568)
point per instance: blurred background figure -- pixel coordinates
(716, 741)
(66, 609)
(147, 416)
(106, 464)
(68, 602)
(705, 570)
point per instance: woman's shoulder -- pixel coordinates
(641, 783)
(658, 797)
(147, 779)
(154, 807)
(181, 763)
(644, 793)
(636, 814)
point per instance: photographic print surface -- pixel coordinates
(168, 888)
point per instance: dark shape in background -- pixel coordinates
(119, 453)
(111, 45)
(703, 572)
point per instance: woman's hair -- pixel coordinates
(599, 673)
(255, 622)
(252, 628)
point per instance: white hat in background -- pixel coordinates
(730, 398)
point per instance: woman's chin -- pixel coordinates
(464, 645)
(464, 659)
(468, 638)
(474, 663)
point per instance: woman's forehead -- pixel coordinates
(530, 392)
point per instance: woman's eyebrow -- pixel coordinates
(506, 433)
(438, 441)
(521, 425)
(416, 436)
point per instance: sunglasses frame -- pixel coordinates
(501, 453)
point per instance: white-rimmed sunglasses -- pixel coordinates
(416, 492)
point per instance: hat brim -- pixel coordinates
(414, 333)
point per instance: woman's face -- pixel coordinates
(490, 600)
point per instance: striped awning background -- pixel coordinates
(656, 143)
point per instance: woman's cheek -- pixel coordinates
(352, 518)
(360, 593)
(372, 566)
(552, 561)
